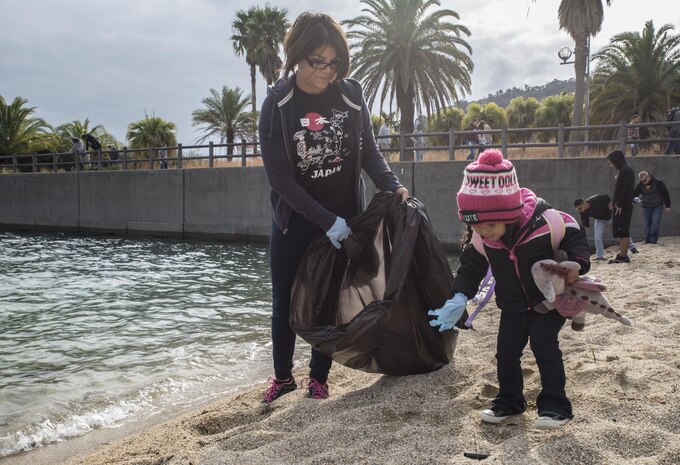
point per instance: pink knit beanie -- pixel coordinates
(490, 192)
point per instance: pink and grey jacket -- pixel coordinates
(511, 257)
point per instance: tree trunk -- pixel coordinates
(580, 63)
(253, 75)
(230, 148)
(406, 104)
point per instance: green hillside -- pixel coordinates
(503, 97)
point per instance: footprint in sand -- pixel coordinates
(489, 391)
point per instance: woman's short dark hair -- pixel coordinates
(310, 32)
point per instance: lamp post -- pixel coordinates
(564, 54)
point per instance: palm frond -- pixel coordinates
(410, 52)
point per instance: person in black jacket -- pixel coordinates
(655, 199)
(91, 142)
(596, 207)
(673, 132)
(622, 203)
(316, 138)
(472, 138)
(515, 234)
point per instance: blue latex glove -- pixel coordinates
(338, 232)
(450, 313)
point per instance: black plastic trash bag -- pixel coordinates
(365, 306)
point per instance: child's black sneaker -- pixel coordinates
(496, 415)
(315, 390)
(551, 420)
(278, 388)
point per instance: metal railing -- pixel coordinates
(558, 135)
(148, 158)
(126, 158)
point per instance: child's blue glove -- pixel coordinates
(338, 232)
(450, 313)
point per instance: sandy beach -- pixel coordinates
(624, 383)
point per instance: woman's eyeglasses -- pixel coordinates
(322, 65)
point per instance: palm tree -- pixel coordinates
(152, 131)
(224, 116)
(270, 25)
(521, 113)
(19, 132)
(410, 51)
(245, 42)
(442, 121)
(553, 111)
(581, 19)
(637, 73)
(258, 34)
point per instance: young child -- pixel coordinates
(515, 236)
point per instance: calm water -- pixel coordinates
(103, 332)
(95, 332)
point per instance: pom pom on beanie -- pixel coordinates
(491, 157)
(490, 192)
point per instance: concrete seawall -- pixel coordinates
(233, 204)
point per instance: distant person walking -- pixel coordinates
(673, 147)
(622, 203)
(654, 198)
(163, 158)
(418, 140)
(91, 142)
(633, 135)
(80, 156)
(483, 137)
(472, 138)
(114, 155)
(384, 142)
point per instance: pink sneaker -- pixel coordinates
(315, 390)
(278, 388)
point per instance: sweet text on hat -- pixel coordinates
(490, 192)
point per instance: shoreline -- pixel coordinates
(624, 383)
(80, 446)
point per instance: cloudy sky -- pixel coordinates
(113, 61)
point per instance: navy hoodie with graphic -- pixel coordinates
(280, 133)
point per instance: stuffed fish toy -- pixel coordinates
(572, 300)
